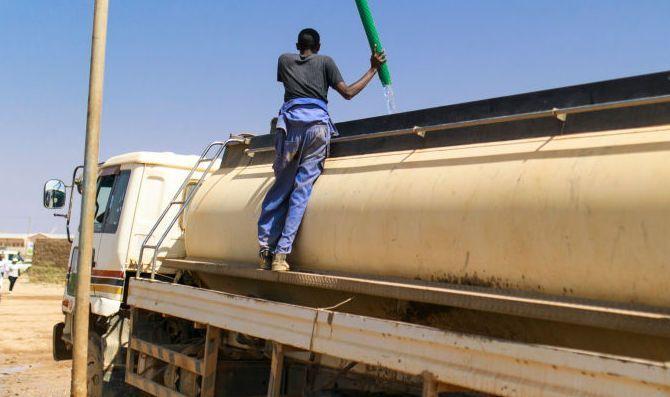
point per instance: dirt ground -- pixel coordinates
(27, 317)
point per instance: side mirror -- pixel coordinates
(54, 194)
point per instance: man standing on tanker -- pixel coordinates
(302, 137)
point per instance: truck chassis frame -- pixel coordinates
(442, 358)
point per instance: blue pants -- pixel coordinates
(299, 157)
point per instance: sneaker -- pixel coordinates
(279, 263)
(265, 256)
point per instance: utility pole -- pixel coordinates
(79, 363)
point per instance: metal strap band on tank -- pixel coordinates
(560, 114)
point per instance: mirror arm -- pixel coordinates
(67, 224)
(67, 230)
(68, 216)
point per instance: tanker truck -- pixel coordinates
(515, 246)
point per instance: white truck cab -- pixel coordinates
(132, 191)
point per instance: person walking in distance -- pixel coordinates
(302, 137)
(3, 272)
(13, 273)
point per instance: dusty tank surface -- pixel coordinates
(583, 211)
(576, 207)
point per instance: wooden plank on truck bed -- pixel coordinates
(276, 370)
(629, 318)
(474, 362)
(212, 342)
(152, 388)
(180, 360)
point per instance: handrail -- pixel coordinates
(561, 114)
(183, 203)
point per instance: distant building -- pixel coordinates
(24, 242)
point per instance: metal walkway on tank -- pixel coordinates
(629, 318)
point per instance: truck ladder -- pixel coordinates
(217, 148)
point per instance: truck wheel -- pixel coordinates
(59, 349)
(94, 373)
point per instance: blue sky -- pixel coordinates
(183, 73)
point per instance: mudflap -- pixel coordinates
(59, 349)
(114, 342)
(114, 345)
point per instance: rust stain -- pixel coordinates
(475, 280)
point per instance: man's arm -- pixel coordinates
(279, 62)
(349, 91)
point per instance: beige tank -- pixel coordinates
(584, 215)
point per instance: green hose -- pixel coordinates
(373, 37)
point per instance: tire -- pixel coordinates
(59, 349)
(94, 372)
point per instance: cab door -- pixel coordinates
(106, 186)
(107, 274)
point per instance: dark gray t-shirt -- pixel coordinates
(307, 77)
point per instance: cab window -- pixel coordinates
(105, 185)
(109, 201)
